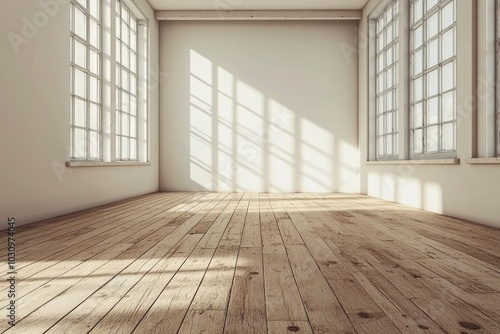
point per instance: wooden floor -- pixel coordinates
(255, 263)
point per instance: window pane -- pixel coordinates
(80, 112)
(431, 3)
(94, 62)
(447, 46)
(432, 53)
(94, 89)
(80, 23)
(133, 106)
(133, 41)
(390, 77)
(125, 102)
(133, 62)
(94, 116)
(80, 83)
(94, 8)
(124, 147)
(79, 144)
(125, 33)
(417, 89)
(433, 111)
(118, 123)
(448, 136)
(432, 139)
(381, 146)
(448, 77)
(418, 62)
(432, 83)
(432, 26)
(417, 141)
(94, 34)
(381, 124)
(417, 37)
(125, 125)
(133, 149)
(417, 10)
(389, 124)
(94, 144)
(133, 127)
(133, 84)
(447, 15)
(417, 115)
(125, 79)
(390, 100)
(448, 106)
(80, 54)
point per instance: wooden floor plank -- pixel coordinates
(256, 263)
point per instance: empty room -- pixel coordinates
(250, 166)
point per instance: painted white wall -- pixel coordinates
(466, 191)
(34, 121)
(258, 106)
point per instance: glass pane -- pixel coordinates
(389, 100)
(381, 62)
(133, 22)
(417, 37)
(118, 125)
(125, 125)
(389, 54)
(389, 123)
(380, 125)
(448, 106)
(417, 89)
(124, 14)
(431, 141)
(80, 83)
(432, 83)
(83, 3)
(80, 54)
(133, 84)
(417, 141)
(118, 76)
(94, 144)
(94, 62)
(133, 127)
(417, 10)
(447, 44)
(94, 116)
(133, 41)
(125, 102)
(433, 110)
(125, 33)
(80, 23)
(94, 8)
(125, 79)
(447, 15)
(94, 89)
(389, 33)
(80, 113)
(418, 62)
(448, 137)
(381, 146)
(380, 104)
(133, 149)
(118, 51)
(447, 77)
(79, 144)
(390, 77)
(432, 53)
(125, 54)
(432, 25)
(94, 34)
(381, 82)
(417, 115)
(118, 148)
(133, 105)
(133, 62)
(389, 148)
(124, 148)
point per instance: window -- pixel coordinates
(433, 82)
(85, 80)
(387, 35)
(109, 93)
(126, 83)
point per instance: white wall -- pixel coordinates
(34, 121)
(258, 106)
(466, 191)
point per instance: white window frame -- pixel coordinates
(126, 112)
(77, 152)
(108, 106)
(424, 125)
(385, 109)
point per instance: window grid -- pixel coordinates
(387, 59)
(85, 97)
(126, 83)
(433, 83)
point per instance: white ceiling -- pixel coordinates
(257, 4)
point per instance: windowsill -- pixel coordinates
(105, 164)
(483, 161)
(416, 162)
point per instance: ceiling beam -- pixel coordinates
(205, 15)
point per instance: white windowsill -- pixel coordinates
(416, 162)
(483, 161)
(105, 164)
